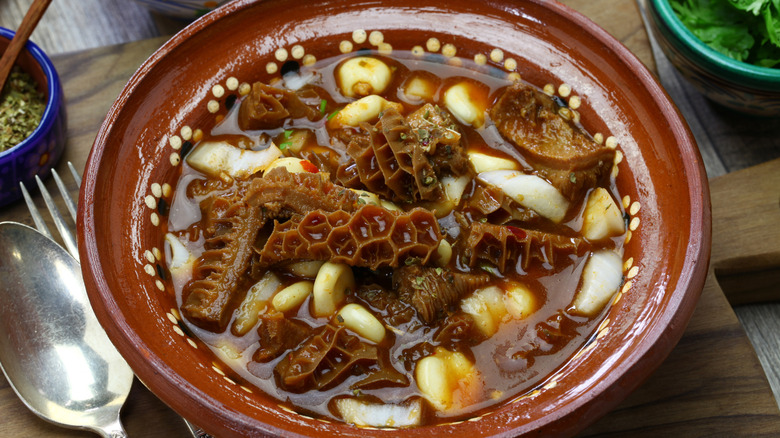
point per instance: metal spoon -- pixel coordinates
(53, 351)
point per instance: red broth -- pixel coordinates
(493, 348)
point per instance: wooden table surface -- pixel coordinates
(711, 384)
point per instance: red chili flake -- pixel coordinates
(520, 234)
(307, 166)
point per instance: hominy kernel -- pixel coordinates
(549, 89)
(449, 50)
(611, 142)
(155, 219)
(281, 54)
(626, 201)
(309, 59)
(186, 133)
(231, 83)
(564, 90)
(433, 44)
(345, 46)
(627, 286)
(297, 51)
(244, 88)
(359, 36)
(156, 190)
(455, 62)
(376, 38)
(175, 142)
(178, 330)
(171, 318)
(497, 55)
(271, 68)
(157, 253)
(634, 224)
(150, 201)
(510, 64)
(167, 190)
(575, 102)
(513, 76)
(628, 263)
(632, 273)
(213, 106)
(385, 48)
(159, 285)
(149, 269)
(149, 256)
(598, 138)
(634, 208)
(192, 343)
(218, 91)
(480, 59)
(418, 51)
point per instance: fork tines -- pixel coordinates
(59, 221)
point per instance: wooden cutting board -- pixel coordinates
(712, 382)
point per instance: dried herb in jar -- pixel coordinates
(21, 108)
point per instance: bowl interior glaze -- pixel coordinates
(121, 231)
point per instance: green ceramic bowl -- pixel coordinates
(734, 84)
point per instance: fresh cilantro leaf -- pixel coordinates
(752, 6)
(746, 30)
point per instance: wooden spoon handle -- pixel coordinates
(29, 22)
(746, 233)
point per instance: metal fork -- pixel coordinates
(65, 232)
(59, 221)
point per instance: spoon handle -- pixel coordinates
(113, 430)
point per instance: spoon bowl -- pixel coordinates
(53, 352)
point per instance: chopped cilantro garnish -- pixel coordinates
(285, 145)
(411, 261)
(333, 114)
(323, 105)
(287, 133)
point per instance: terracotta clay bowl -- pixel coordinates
(135, 161)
